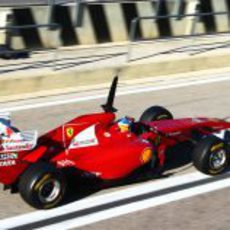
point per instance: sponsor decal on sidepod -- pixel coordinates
(8, 159)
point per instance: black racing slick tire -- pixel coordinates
(211, 155)
(42, 186)
(156, 113)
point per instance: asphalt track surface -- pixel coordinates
(205, 211)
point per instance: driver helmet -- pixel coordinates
(125, 124)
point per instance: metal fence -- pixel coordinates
(50, 25)
(133, 26)
(196, 16)
(22, 3)
(11, 3)
(9, 51)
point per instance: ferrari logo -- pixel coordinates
(69, 132)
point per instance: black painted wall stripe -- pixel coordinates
(99, 21)
(228, 5)
(118, 203)
(61, 15)
(30, 36)
(209, 21)
(163, 25)
(182, 9)
(129, 11)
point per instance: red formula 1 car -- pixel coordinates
(109, 149)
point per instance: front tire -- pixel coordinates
(211, 156)
(42, 186)
(156, 113)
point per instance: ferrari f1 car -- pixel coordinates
(108, 149)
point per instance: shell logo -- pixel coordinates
(146, 155)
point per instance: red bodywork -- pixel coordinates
(107, 153)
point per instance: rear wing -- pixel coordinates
(26, 142)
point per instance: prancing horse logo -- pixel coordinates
(69, 132)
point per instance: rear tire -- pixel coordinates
(211, 156)
(156, 113)
(42, 186)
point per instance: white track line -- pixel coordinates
(137, 206)
(101, 199)
(132, 90)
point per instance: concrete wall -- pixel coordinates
(4, 12)
(110, 22)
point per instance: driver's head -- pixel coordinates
(125, 124)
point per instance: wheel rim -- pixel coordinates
(49, 191)
(218, 159)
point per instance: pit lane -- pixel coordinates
(211, 99)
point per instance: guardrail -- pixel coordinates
(135, 21)
(13, 29)
(50, 25)
(15, 3)
(132, 34)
